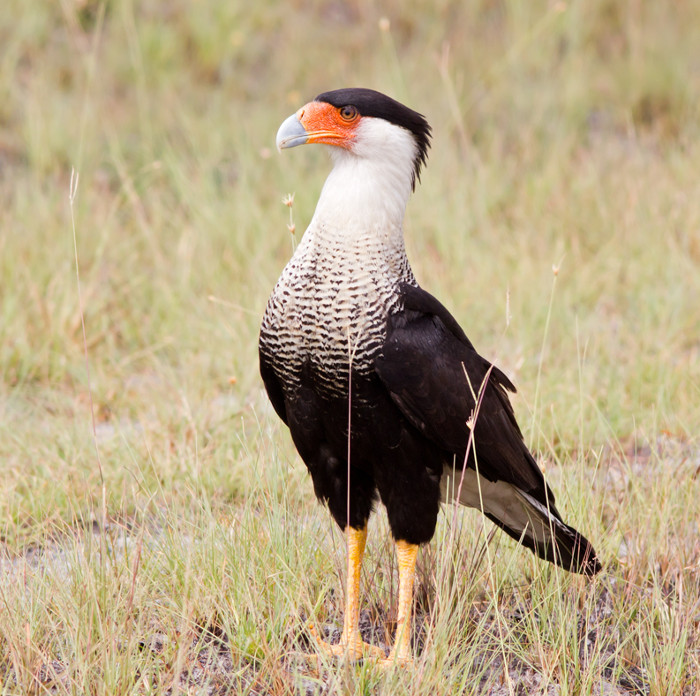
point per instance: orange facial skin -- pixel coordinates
(329, 125)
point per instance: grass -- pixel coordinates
(566, 137)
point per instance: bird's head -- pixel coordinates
(362, 122)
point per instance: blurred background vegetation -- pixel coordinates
(565, 135)
(558, 218)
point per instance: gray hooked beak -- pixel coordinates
(291, 133)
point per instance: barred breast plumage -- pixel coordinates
(330, 306)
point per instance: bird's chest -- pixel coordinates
(326, 316)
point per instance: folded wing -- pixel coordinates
(459, 401)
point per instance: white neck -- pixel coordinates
(369, 186)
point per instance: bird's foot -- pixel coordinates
(350, 645)
(396, 659)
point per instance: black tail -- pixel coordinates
(566, 547)
(523, 517)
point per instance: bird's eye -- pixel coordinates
(348, 113)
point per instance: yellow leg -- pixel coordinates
(351, 643)
(401, 652)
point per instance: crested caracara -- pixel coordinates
(384, 395)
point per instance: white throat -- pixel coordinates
(369, 186)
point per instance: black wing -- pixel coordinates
(436, 377)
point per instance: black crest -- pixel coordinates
(372, 103)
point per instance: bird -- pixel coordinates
(385, 397)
